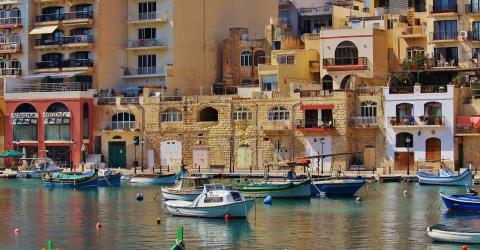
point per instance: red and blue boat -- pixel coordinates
(461, 202)
(86, 180)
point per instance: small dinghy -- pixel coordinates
(212, 204)
(439, 232)
(157, 179)
(289, 189)
(108, 178)
(463, 179)
(461, 202)
(187, 189)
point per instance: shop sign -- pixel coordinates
(24, 115)
(56, 114)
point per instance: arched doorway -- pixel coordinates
(346, 82)
(170, 154)
(433, 149)
(57, 131)
(25, 123)
(327, 82)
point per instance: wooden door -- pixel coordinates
(171, 154)
(200, 158)
(117, 154)
(433, 149)
(244, 158)
(401, 161)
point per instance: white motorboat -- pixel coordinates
(38, 167)
(439, 232)
(187, 189)
(212, 204)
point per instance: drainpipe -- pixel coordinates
(293, 129)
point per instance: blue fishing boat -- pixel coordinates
(461, 202)
(337, 187)
(463, 179)
(107, 178)
(87, 180)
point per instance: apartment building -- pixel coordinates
(75, 47)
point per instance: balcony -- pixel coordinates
(412, 32)
(120, 126)
(50, 18)
(48, 87)
(143, 72)
(267, 69)
(71, 64)
(443, 10)
(468, 126)
(10, 48)
(316, 93)
(444, 36)
(314, 67)
(48, 66)
(68, 41)
(144, 44)
(419, 121)
(363, 121)
(446, 63)
(148, 17)
(10, 22)
(342, 64)
(315, 125)
(277, 127)
(118, 100)
(316, 11)
(472, 10)
(11, 72)
(79, 17)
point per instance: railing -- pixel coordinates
(368, 89)
(143, 71)
(120, 125)
(10, 47)
(433, 89)
(414, 30)
(48, 87)
(78, 15)
(362, 121)
(315, 123)
(10, 71)
(106, 100)
(474, 9)
(145, 43)
(48, 42)
(467, 130)
(130, 100)
(148, 16)
(10, 21)
(424, 120)
(64, 40)
(326, 9)
(316, 93)
(48, 64)
(446, 63)
(65, 64)
(443, 36)
(331, 62)
(401, 90)
(435, 9)
(49, 17)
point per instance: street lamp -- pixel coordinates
(322, 141)
(142, 142)
(231, 141)
(408, 140)
(136, 141)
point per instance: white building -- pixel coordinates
(419, 124)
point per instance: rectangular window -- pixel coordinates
(285, 59)
(147, 7)
(147, 33)
(147, 64)
(390, 23)
(446, 57)
(270, 83)
(57, 132)
(445, 30)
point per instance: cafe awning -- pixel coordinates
(43, 30)
(54, 75)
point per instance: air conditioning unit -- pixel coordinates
(463, 34)
(429, 55)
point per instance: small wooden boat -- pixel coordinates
(337, 187)
(439, 232)
(461, 202)
(463, 179)
(38, 167)
(108, 178)
(158, 179)
(187, 189)
(212, 204)
(290, 189)
(87, 180)
(389, 178)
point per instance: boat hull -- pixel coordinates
(85, 181)
(110, 181)
(184, 197)
(286, 190)
(154, 180)
(235, 210)
(337, 187)
(32, 174)
(464, 179)
(461, 202)
(453, 236)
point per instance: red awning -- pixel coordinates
(468, 121)
(317, 106)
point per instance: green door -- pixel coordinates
(117, 154)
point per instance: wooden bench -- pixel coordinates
(217, 167)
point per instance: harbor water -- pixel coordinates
(386, 219)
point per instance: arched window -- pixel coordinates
(171, 115)
(57, 122)
(259, 57)
(15, 12)
(246, 82)
(327, 82)
(278, 113)
(123, 121)
(413, 52)
(52, 13)
(85, 121)
(82, 10)
(368, 109)
(242, 114)
(346, 53)
(208, 114)
(401, 140)
(404, 110)
(246, 58)
(50, 60)
(433, 109)
(81, 59)
(346, 82)
(25, 123)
